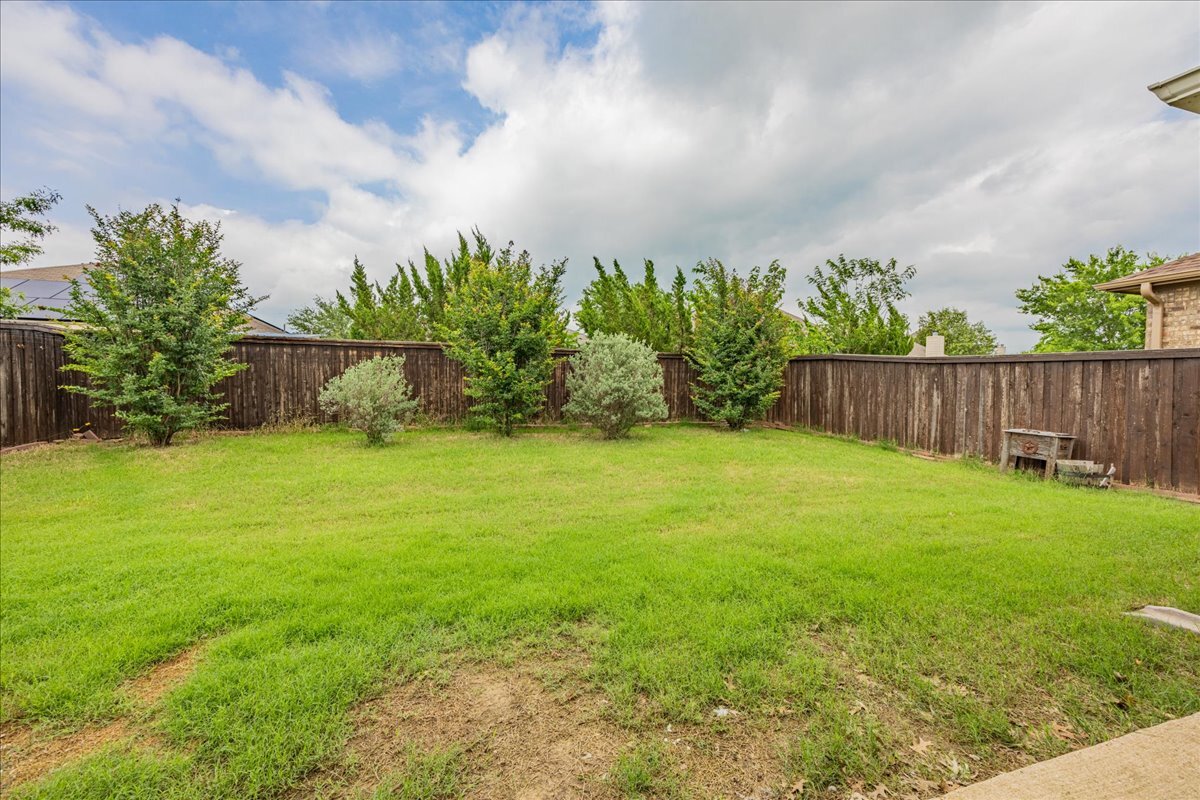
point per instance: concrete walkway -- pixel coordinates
(1158, 763)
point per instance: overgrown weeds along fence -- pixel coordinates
(1139, 410)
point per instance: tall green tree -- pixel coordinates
(163, 308)
(643, 311)
(739, 350)
(1073, 316)
(503, 325)
(854, 310)
(412, 306)
(684, 312)
(381, 312)
(323, 318)
(442, 279)
(963, 337)
(367, 310)
(22, 228)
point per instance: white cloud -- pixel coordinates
(366, 57)
(352, 44)
(69, 244)
(984, 144)
(292, 135)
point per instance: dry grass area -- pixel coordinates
(531, 731)
(538, 729)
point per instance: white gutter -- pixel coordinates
(1182, 91)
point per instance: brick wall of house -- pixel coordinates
(1181, 315)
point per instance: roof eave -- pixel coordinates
(1181, 91)
(1125, 288)
(1132, 284)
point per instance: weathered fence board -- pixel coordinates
(1139, 410)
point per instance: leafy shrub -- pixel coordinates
(162, 312)
(614, 383)
(740, 346)
(373, 397)
(502, 325)
(12, 304)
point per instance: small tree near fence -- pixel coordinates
(22, 228)
(373, 397)
(502, 325)
(615, 382)
(159, 311)
(740, 347)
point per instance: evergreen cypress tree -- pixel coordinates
(739, 348)
(642, 311)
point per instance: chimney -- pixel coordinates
(935, 345)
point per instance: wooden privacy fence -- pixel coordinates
(1139, 409)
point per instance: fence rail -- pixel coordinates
(1139, 409)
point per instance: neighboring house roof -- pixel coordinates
(66, 272)
(1181, 270)
(260, 325)
(47, 291)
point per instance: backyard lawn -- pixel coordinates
(688, 613)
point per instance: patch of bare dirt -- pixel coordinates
(29, 753)
(530, 732)
(149, 688)
(538, 730)
(742, 758)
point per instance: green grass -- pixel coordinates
(697, 567)
(645, 772)
(433, 775)
(118, 774)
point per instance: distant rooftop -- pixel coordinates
(66, 272)
(47, 291)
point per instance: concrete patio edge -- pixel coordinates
(1157, 763)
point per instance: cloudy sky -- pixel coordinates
(983, 143)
